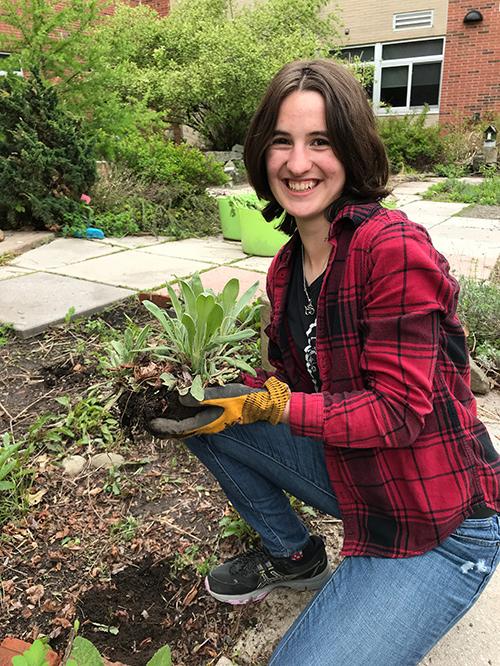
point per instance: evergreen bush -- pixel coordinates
(46, 160)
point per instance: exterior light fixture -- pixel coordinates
(473, 16)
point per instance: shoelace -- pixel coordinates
(247, 562)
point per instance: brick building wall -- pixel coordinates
(471, 71)
(161, 6)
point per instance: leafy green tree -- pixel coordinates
(205, 66)
(49, 36)
(46, 160)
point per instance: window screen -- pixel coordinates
(427, 47)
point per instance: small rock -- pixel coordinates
(107, 460)
(2, 236)
(73, 465)
(230, 167)
(224, 661)
(479, 381)
(238, 149)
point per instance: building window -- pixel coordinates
(407, 74)
(412, 20)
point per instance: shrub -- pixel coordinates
(46, 160)
(410, 143)
(156, 159)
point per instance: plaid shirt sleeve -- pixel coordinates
(405, 294)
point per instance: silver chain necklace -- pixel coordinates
(309, 310)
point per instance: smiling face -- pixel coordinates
(304, 174)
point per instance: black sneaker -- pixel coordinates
(251, 576)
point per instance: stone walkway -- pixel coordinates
(40, 286)
(43, 279)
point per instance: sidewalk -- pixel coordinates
(39, 287)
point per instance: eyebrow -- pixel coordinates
(315, 133)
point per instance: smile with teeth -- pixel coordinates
(301, 185)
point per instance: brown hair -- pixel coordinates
(350, 126)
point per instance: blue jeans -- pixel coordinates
(373, 611)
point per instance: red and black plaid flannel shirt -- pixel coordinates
(407, 458)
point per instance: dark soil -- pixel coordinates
(139, 407)
(128, 547)
(148, 604)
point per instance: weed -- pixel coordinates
(88, 422)
(233, 525)
(190, 558)
(6, 332)
(125, 529)
(299, 506)
(112, 485)
(69, 315)
(14, 477)
(6, 258)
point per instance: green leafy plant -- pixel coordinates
(125, 529)
(205, 336)
(233, 525)
(409, 142)
(6, 331)
(486, 193)
(88, 421)
(35, 655)
(190, 557)
(14, 475)
(201, 343)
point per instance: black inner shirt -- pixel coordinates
(302, 326)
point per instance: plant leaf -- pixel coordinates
(196, 389)
(162, 657)
(85, 653)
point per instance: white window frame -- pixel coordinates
(380, 64)
(3, 71)
(416, 20)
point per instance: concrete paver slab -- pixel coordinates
(474, 229)
(212, 249)
(132, 269)
(404, 199)
(35, 301)
(478, 268)
(134, 242)
(260, 264)
(415, 187)
(217, 277)
(16, 242)
(431, 213)
(62, 252)
(7, 272)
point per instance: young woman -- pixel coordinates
(369, 415)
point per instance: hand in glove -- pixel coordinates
(225, 406)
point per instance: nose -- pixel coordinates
(299, 161)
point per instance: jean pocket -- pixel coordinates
(482, 531)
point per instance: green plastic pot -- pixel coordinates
(259, 237)
(228, 219)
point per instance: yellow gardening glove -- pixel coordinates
(226, 406)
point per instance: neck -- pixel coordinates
(314, 237)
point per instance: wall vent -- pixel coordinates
(409, 20)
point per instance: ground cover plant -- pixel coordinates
(486, 193)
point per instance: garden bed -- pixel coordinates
(124, 550)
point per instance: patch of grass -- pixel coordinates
(485, 193)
